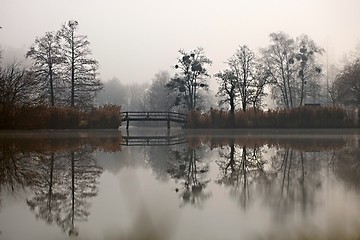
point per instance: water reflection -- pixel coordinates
(287, 178)
(240, 168)
(62, 174)
(346, 165)
(286, 183)
(189, 172)
(64, 187)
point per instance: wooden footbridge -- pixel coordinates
(153, 116)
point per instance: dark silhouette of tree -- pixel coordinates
(19, 87)
(243, 64)
(80, 70)
(348, 84)
(244, 82)
(257, 91)
(46, 54)
(228, 91)
(191, 78)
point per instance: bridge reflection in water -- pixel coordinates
(153, 116)
(153, 140)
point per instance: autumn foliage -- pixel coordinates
(38, 117)
(301, 117)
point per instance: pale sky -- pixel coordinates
(134, 39)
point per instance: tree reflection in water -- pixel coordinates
(64, 188)
(283, 175)
(346, 166)
(190, 172)
(61, 172)
(298, 176)
(240, 167)
(287, 178)
(17, 170)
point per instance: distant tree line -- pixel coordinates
(288, 70)
(64, 75)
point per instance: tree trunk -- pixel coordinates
(52, 98)
(72, 70)
(232, 112)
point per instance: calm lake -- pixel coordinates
(154, 184)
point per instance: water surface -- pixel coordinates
(197, 185)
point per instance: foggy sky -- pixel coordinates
(134, 39)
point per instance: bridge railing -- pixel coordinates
(153, 140)
(153, 116)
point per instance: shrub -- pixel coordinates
(107, 116)
(64, 118)
(42, 117)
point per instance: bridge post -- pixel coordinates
(168, 120)
(127, 120)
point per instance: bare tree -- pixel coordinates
(261, 78)
(245, 80)
(292, 66)
(348, 84)
(243, 63)
(81, 70)
(279, 60)
(18, 88)
(191, 78)
(228, 91)
(46, 54)
(309, 70)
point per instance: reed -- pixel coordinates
(301, 117)
(41, 117)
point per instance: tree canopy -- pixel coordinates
(192, 76)
(63, 61)
(292, 67)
